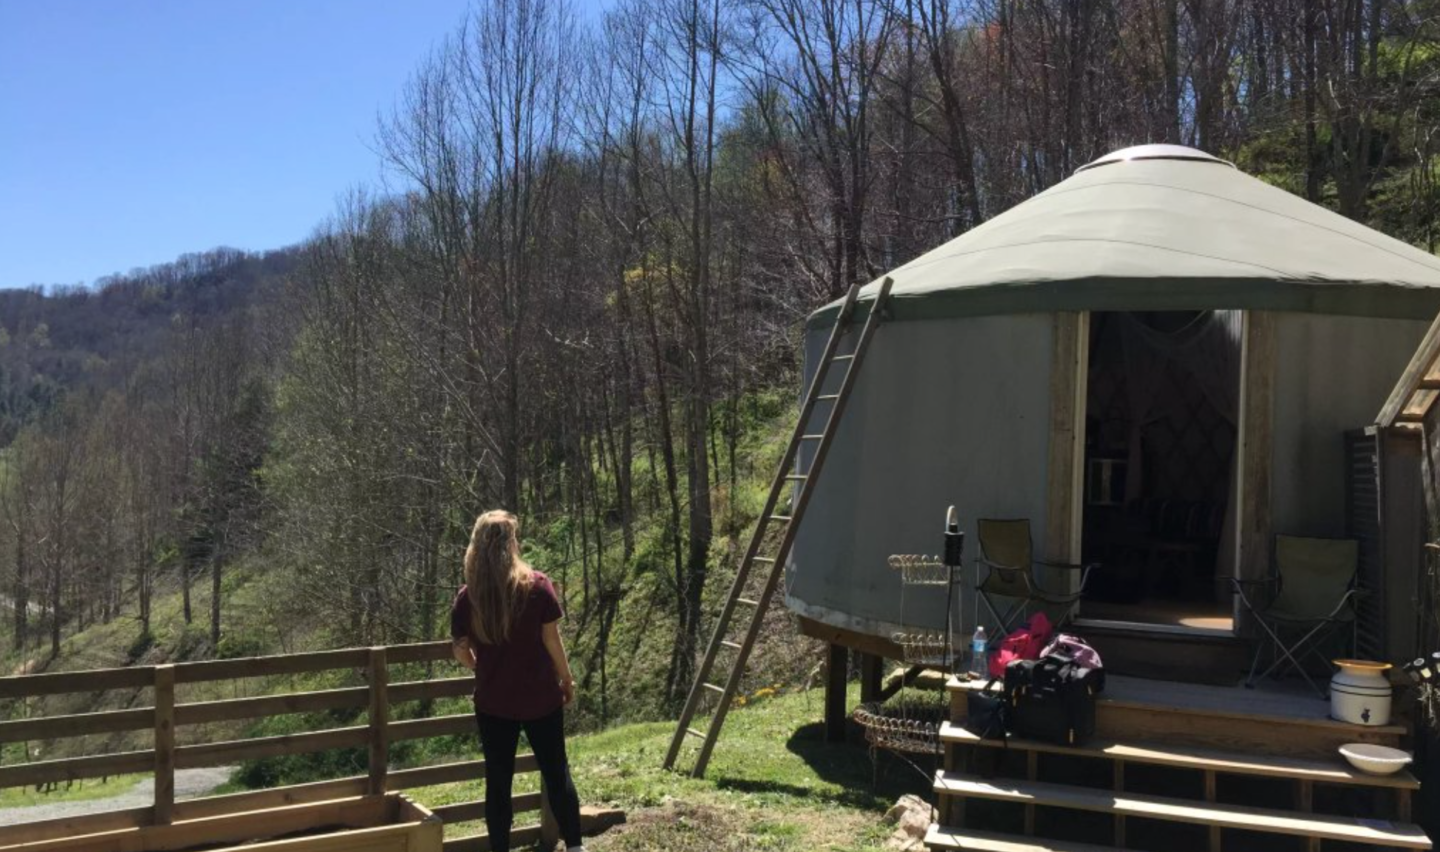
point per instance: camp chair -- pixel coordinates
(1006, 551)
(1313, 597)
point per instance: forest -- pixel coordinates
(579, 292)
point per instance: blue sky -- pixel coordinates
(132, 132)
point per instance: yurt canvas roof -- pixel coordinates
(1162, 227)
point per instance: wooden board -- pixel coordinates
(1171, 696)
(851, 639)
(1257, 735)
(416, 837)
(1257, 426)
(243, 667)
(57, 683)
(481, 842)
(444, 687)
(71, 826)
(1208, 760)
(230, 751)
(437, 726)
(1065, 452)
(201, 712)
(359, 812)
(468, 811)
(944, 837)
(1377, 832)
(448, 773)
(278, 797)
(75, 768)
(1413, 377)
(419, 652)
(76, 725)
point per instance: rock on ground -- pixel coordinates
(912, 817)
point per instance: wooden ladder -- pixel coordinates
(770, 521)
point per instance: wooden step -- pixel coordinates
(1170, 653)
(944, 837)
(1229, 719)
(1375, 832)
(1334, 771)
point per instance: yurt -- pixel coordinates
(1154, 363)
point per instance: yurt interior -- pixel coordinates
(1161, 406)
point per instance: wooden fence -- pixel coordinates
(377, 696)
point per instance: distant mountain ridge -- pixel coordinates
(71, 338)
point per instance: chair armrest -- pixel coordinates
(1273, 579)
(1345, 601)
(996, 566)
(1068, 566)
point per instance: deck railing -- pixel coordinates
(377, 735)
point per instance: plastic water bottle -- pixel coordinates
(977, 652)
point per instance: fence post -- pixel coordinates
(379, 718)
(164, 744)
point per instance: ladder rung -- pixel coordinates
(798, 477)
(762, 559)
(827, 396)
(694, 733)
(747, 602)
(711, 686)
(812, 437)
(780, 518)
(734, 646)
(843, 358)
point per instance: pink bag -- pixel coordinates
(1075, 648)
(1024, 643)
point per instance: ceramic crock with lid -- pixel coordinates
(1360, 693)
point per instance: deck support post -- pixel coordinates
(872, 669)
(379, 680)
(164, 744)
(835, 671)
(1118, 783)
(1032, 773)
(1211, 797)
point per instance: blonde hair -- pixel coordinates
(497, 579)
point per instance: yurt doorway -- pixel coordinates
(1162, 404)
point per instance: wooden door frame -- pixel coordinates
(1255, 454)
(1065, 480)
(1065, 503)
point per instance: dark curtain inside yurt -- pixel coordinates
(1162, 410)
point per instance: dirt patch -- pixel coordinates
(687, 827)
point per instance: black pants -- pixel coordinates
(498, 739)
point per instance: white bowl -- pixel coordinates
(1375, 759)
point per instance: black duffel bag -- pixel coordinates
(1052, 698)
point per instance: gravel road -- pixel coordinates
(189, 783)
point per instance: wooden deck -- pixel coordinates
(1263, 721)
(1215, 736)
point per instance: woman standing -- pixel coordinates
(505, 626)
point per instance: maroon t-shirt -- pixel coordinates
(516, 679)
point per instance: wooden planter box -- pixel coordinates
(388, 823)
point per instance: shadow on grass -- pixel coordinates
(865, 783)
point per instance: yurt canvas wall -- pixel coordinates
(1332, 373)
(949, 412)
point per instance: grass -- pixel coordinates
(773, 783)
